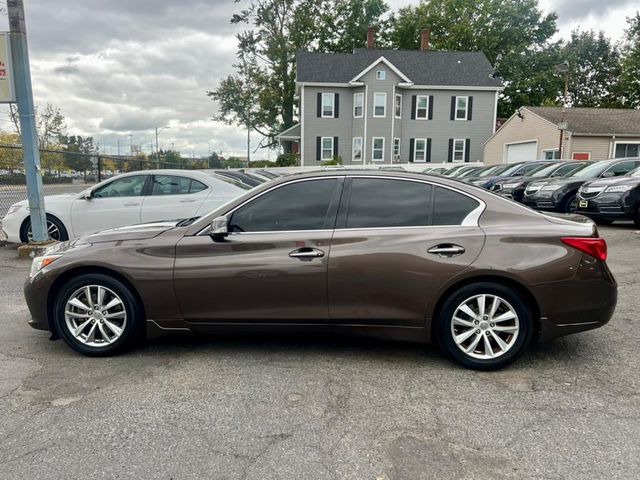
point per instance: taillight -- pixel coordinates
(596, 247)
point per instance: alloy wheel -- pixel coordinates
(485, 326)
(52, 231)
(95, 316)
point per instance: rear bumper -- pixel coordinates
(585, 302)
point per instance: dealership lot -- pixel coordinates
(257, 408)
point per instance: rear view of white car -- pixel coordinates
(127, 199)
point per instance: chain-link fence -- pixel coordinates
(72, 172)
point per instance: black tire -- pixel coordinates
(636, 217)
(133, 328)
(444, 322)
(25, 230)
(570, 204)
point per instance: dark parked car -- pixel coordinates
(610, 199)
(560, 195)
(514, 187)
(249, 180)
(338, 252)
(483, 174)
(520, 169)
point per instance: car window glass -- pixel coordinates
(619, 169)
(566, 169)
(378, 202)
(545, 171)
(450, 207)
(296, 206)
(122, 187)
(528, 168)
(592, 171)
(175, 185)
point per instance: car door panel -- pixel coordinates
(171, 200)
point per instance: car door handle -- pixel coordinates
(131, 204)
(306, 253)
(446, 250)
(187, 201)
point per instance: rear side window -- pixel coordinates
(296, 206)
(450, 207)
(175, 185)
(388, 203)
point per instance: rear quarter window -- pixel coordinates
(451, 207)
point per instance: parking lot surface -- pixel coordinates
(320, 408)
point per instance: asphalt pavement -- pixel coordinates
(320, 408)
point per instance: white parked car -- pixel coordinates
(128, 199)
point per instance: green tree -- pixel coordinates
(214, 161)
(630, 80)
(513, 34)
(595, 70)
(343, 27)
(78, 151)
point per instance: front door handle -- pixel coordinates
(446, 250)
(306, 253)
(131, 204)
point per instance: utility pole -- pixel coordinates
(118, 146)
(131, 143)
(157, 150)
(26, 112)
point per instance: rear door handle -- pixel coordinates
(446, 250)
(187, 201)
(306, 253)
(131, 204)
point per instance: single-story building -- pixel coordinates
(533, 133)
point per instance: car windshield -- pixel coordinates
(230, 180)
(635, 173)
(544, 170)
(494, 170)
(592, 171)
(472, 172)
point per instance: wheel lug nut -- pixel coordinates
(492, 325)
(487, 332)
(478, 331)
(485, 317)
(476, 322)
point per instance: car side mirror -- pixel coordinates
(88, 195)
(219, 229)
(608, 174)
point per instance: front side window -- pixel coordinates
(450, 207)
(458, 150)
(619, 169)
(420, 150)
(358, 105)
(624, 150)
(378, 149)
(277, 211)
(357, 149)
(396, 146)
(422, 106)
(379, 104)
(388, 203)
(175, 185)
(122, 187)
(398, 106)
(461, 108)
(328, 103)
(327, 148)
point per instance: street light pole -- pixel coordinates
(131, 143)
(158, 129)
(26, 112)
(563, 68)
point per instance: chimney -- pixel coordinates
(371, 38)
(424, 39)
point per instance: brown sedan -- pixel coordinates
(389, 254)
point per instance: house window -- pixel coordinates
(398, 106)
(422, 106)
(379, 105)
(551, 154)
(328, 105)
(396, 146)
(462, 108)
(381, 75)
(378, 149)
(357, 149)
(420, 150)
(458, 150)
(624, 150)
(358, 105)
(327, 148)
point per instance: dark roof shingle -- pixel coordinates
(422, 68)
(594, 121)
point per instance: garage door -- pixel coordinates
(522, 152)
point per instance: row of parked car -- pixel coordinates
(605, 190)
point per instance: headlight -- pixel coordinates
(510, 185)
(40, 262)
(14, 208)
(619, 188)
(550, 188)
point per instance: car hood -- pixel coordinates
(142, 231)
(49, 199)
(607, 182)
(569, 181)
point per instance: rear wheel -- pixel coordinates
(484, 326)
(636, 217)
(97, 315)
(55, 230)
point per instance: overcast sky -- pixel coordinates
(120, 67)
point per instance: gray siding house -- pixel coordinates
(386, 106)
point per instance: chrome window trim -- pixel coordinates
(471, 220)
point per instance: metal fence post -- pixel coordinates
(26, 111)
(99, 166)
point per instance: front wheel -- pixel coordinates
(571, 204)
(484, 326)
(636, 217)
(55, 230)
(97, 315)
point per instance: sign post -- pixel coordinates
(19, 66)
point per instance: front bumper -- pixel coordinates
(36, 294)
(11, 227)
(606, 206)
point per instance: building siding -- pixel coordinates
(440, 129)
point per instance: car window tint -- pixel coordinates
(175, 185)
(450, 207)
(566, 169)
(529, 168)
(296, 206)
(388, 203)
(122, 187)
(619, 169)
